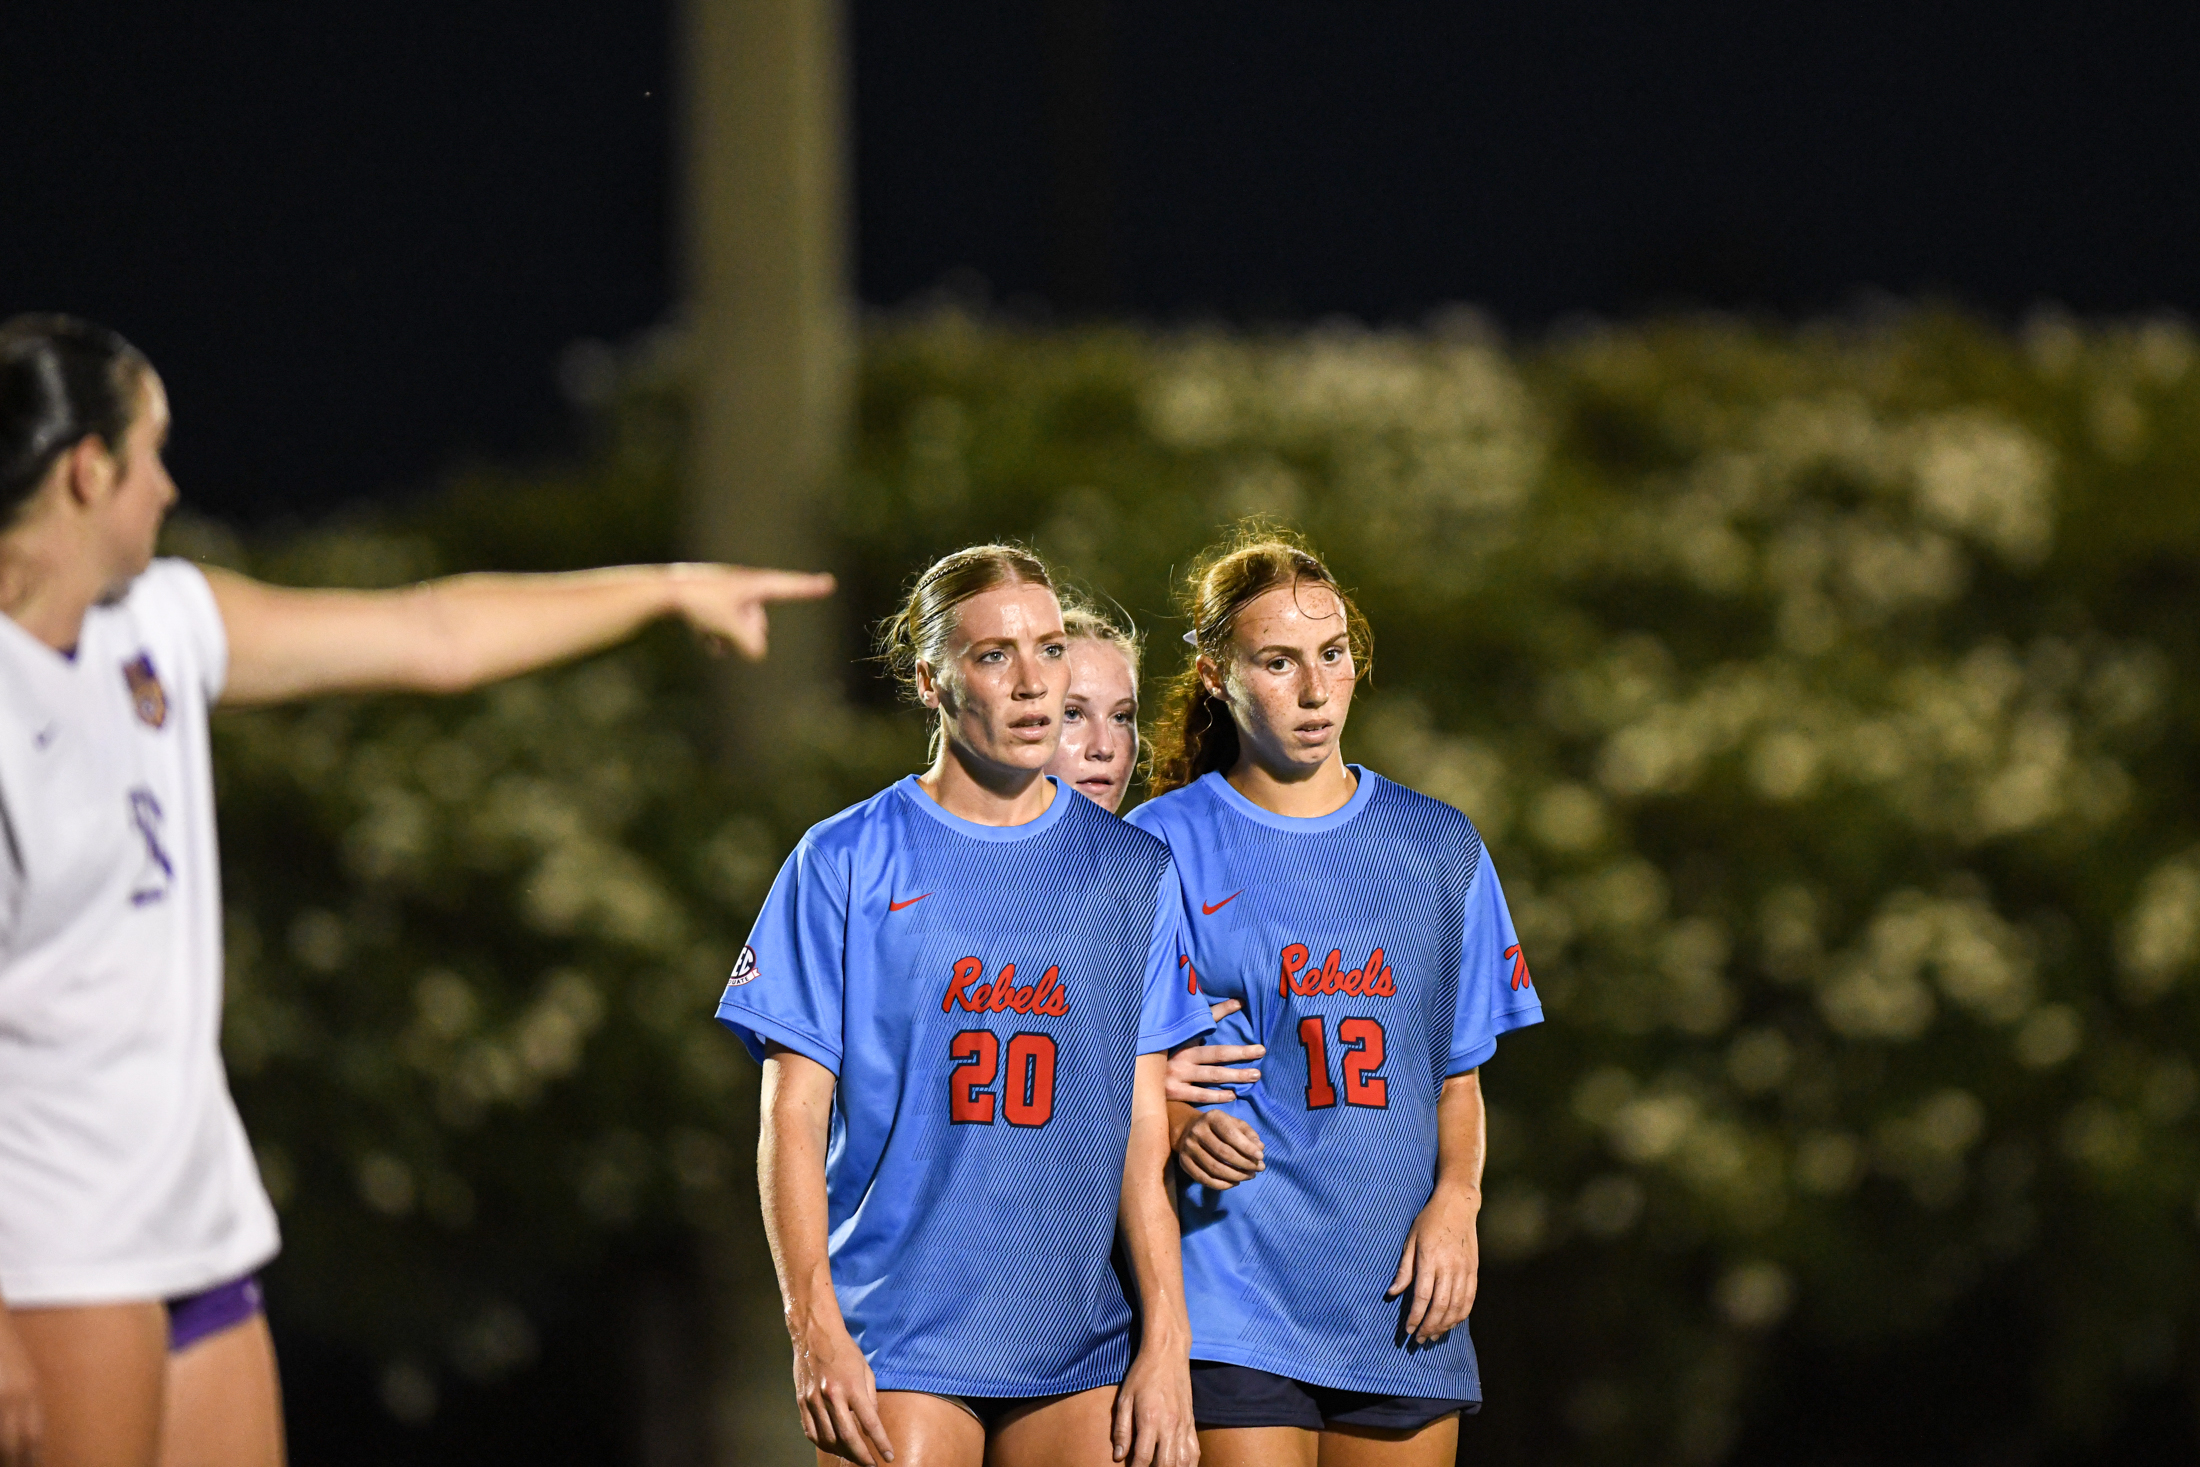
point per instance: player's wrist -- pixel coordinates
(812, 1320)
(1166, 1339)
(1459, 1194)
(676, 584)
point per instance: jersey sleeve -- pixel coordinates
(197, 622)
(788, 985)
(1173, 1011)
(1496, 993)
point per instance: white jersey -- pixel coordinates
(124, 1170)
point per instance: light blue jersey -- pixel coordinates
(1374, 956)
(982, 993)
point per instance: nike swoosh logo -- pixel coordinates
(893, 906)
(1218, 906)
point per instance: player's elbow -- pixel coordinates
(437, 657)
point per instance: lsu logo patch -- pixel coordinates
(744, 968)
(146, 693)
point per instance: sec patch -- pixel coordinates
(744, 968)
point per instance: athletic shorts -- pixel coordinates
(1238, 1395)
(991, 1409)
(195, 1317)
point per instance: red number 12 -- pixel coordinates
(1362, 1042)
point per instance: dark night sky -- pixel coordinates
(355, 238)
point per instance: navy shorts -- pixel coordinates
(991, 1411)
(1238, 1395)
(194, 1317)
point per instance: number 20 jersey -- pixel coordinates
(982, 994)
(1374, 955)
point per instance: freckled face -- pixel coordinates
(1005, 672)
(1290, 679)
(1099, 724)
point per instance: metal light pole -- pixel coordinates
(769, 317)
(770, 327)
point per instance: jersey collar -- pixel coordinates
(916, 796)
(1221, 789)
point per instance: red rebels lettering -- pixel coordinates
(1372, 979)
(965, 986)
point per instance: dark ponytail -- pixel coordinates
(61, 381)
(1196, 734)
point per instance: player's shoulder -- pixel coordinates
(167, 627)
(1167, 816)
(1404, 810)
(842, 835)
(169, 586)
(1113, 833)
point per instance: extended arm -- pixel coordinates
(1443, 1256)
(832, 1381)
(1153, 1410)
(460, 632)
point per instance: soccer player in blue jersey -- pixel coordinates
(1099, 747)
(1330, 1257)
(1098, 753)
(963, 991)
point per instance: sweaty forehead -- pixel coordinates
(1015, 611)
(1099, 671)
(1291, 612)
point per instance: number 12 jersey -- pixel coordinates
(1374, 956)
(982, 994)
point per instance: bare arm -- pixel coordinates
(460, 632)
(1153, 1410)
(21, 1428)
(1196, 1070)
(1443, 1256)
(832, 1381)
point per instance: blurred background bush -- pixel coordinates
(1824, 693)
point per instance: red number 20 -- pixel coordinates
(1027, 1099)
(1362, 1043)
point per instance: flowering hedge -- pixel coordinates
(1825, 695)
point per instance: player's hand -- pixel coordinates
(22, 1425)
(1218, 1150)
(725, 603)
(1193, 1072)
(838, 1395)
(1442, 1264)
(1153, 1411)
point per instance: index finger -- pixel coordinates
(1224, 1054)
(1145, 1444)
(867, 1413)
(1222, 1010)
(848, 1429)
(784, 585)
(1229, 1128)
